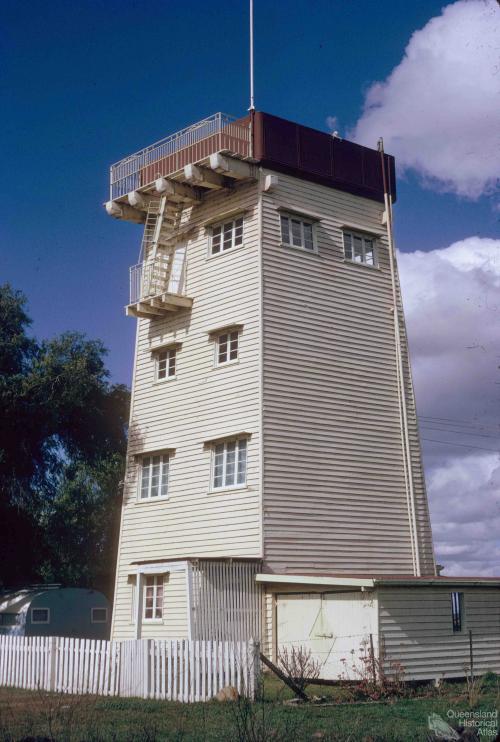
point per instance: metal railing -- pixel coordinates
(153, 277)
(125, 175)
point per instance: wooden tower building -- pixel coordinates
(274, 483)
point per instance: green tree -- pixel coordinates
(62, 450)
(80, 524)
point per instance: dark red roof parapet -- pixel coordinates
(319, 157)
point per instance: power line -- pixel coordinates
(461, 432)
(461, 423)
(461, 445)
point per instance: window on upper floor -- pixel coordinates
(153, 597)
(457, 610)
(98, 615)
(359, 248)
(166, 364)
(297, 232)
(226, 235)
(227, 347)
(229, 464)
(154, 473)
(40, 615)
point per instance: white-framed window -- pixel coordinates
(227, 347)
(153, 480)
(359, 248)
(40, 615)
(166, 364)
(98, 615)
(153, 598)
(297, 232)
(229, 464)
(226, 235)
(457, 612)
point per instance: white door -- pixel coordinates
(336, 627)
(177, 270)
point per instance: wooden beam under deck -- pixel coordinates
(158, 306)
(177, 192)
(205, 178)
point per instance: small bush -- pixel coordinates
(299, 666)
(375, 677)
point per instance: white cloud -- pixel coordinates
(452, 305)
(465, 506)
(438, 110)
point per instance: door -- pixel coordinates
(177, 270)
(335, 627)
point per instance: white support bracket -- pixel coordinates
(177, 191)
(123, 211)
(201, 176)
(137, 200)
(270, 182)
(229, 166)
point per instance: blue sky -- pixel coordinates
(86, 83)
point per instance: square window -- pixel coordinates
(154, 476)
(227, 347)
(166, 364)
(40, 615)
(230, 464)
(226, 236)
(297, 232)
(359, 248)
(99, 615)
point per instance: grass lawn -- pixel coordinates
(28, 714)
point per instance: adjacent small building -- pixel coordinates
(274, 485)
(52, 610)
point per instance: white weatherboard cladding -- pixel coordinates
(334, 495)
(416, 630)
(317, 359)
(335, 627)
(174, 623)
(201, 404)
(175, 610)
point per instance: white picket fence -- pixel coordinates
(175, 670)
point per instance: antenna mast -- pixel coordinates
(252, 99)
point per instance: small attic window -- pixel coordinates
(40, 615)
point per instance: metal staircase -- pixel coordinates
(157, 281)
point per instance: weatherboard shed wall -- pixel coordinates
(416, 630)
